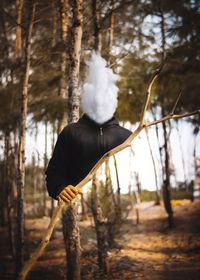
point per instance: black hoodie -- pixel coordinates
(78, 148)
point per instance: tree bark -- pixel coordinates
(119, 209)
(182, 155)
(64, 22)
(84, 213)
(52, 147)
(54, 23)
(34, 174)
(70, 227)
(111, 207)
(159, 147)
(13, 198)
(100, 228)
(72, 243)
(3, 197)
(162, 27)
(97, 27)
(18, 42)
(137, 192)
(21, 148)
(45, 166)
(195, 156)
(111, 30)
(166, 183)
(157, 201)
(74, 57)
(7, 185)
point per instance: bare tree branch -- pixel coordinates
(148, 95)
(174, 116)
(43, 243)
(176, 102)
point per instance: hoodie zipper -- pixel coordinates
(101, 140)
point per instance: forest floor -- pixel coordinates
(148, 251)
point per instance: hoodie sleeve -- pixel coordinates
(56, 172)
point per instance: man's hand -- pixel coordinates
(69, 193)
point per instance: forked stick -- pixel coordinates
(38, 252)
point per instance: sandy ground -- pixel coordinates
(148, 251)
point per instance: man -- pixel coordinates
(80, 145)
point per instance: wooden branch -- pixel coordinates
(43, 243)
(174, 116)
(176, 102)
(148, 94)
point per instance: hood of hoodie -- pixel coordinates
(87, 120)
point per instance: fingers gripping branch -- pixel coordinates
(69, 193)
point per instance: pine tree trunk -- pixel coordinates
(13, 199)
(131, 196)
(21, 148)
(157, 201)
(3, 196)
(111, 30)
(72, 242)
(18, 42)
(4, 178)
(112, 218)
(100, 228)
(34, 176)
(8, 190)
(52, 147)
(138, 187)
(45, 166)
(182, 154)
(35, 164)
(84, 213)
(119, 209)
(74, 57)
(195, 156)
(137, 192)
(70, 227)
(97, 28)
(64, 21)
(166, 183)
(55, 23)
(159, 147)
(162, 27)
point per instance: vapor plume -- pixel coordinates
(99, 99)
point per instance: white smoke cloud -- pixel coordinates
(99, 99)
